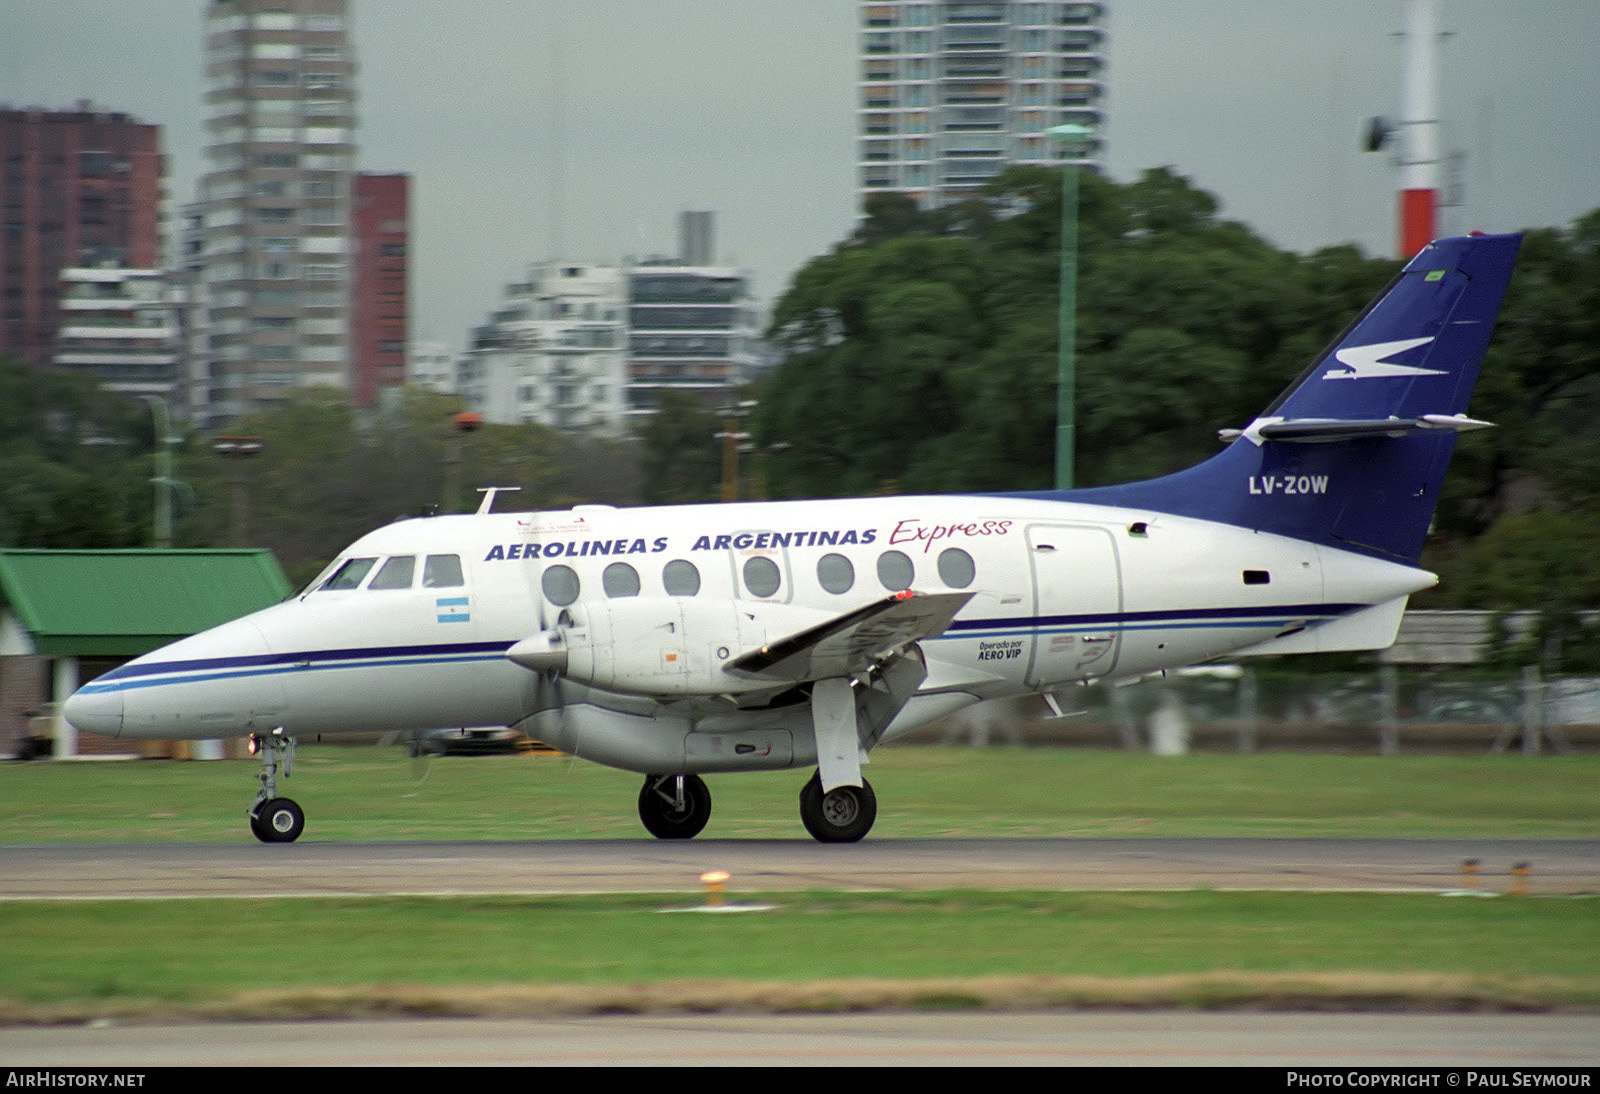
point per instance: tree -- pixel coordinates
(681, 454)
(75, 462)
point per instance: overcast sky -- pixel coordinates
(579, 129)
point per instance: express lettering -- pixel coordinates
(914, 531)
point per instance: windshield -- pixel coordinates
(349, 575)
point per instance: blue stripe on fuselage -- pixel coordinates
(154, 674)
(132, 676)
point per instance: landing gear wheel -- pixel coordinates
(842, 815)
(674, 806)
(277, 820)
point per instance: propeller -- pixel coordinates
(545, 654)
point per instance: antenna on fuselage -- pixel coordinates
(489, 493)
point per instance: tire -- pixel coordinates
(843, 815)
(278, 820)
(663, 821)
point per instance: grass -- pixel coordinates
(815, 950)
(818, 950)
(923, 791)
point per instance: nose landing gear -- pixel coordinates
(274, 819)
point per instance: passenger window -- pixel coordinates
(350, 574)
(835, 573)
(762, 577)
(560, 584)
(956, 568)
(396, 573)
(442, 572)
(895, 571)
(620, 579)
(681, 578)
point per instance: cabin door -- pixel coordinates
(1077, 603)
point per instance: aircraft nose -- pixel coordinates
(94, 710)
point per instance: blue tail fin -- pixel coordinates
(1353, 454)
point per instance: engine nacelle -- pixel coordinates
(661, 646)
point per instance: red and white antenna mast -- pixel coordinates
(1419, 129)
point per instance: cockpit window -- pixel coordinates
(395, 573)
(442, 572)
(349, 575)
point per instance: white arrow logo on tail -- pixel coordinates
(1367, 362)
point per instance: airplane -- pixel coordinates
(676, 642)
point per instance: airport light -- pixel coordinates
(1071, 137)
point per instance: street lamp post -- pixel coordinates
(732, 438)
(1070, 136)
(455, 452)
(163, 480)
(235, 451)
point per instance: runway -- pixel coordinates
(100, 872)
(1443, 1045)
(248, 869)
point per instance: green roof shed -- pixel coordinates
(123, 603)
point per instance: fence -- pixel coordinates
(1385, 710)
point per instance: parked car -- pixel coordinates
(478, 741)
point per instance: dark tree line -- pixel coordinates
(920, 355)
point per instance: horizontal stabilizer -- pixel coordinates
(1323, 430)
(854, 641)
(1371, 628)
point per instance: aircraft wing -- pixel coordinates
(853, 642)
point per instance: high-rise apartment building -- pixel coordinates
(382, 238)
(953, 92)
(77, 188)
(553, 352)
(124, 328)
(691, 329)
(276, 201)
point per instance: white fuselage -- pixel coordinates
(654, 601)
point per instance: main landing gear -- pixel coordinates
(842, 815)
(678, 806)
(274, 819)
